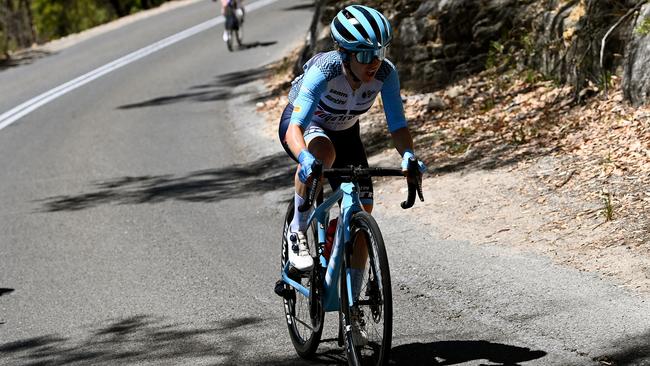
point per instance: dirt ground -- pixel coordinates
(523, 164)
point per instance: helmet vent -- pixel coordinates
(343, 32)
(373, 24)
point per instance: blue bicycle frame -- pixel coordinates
(349, 205)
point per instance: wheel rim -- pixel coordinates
(298, 310)
(372, 303)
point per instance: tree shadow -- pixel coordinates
(143, 338)
(237, 181)
(4, 291)
(485, 147)
(219, 89)
(249, 45)
(24, 57)
(207, 96)
(633, 350)
(456, 352)
(493, 154)
(304, 6)
(236, 78)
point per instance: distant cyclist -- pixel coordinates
(321, 120)
(233, 12)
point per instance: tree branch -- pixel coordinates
(604, 40)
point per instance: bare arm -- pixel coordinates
(402, 140)
(295, 139)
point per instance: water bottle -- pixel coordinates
(329, 238)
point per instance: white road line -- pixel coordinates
(25, 108)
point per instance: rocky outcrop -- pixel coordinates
(636, 81)
(577, 42)
(581, 42)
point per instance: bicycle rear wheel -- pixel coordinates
(304, 315)
(372, 310)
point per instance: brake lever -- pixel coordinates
(414, 182)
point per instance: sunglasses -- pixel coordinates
(366, 57)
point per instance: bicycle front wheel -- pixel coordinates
(367, 322)
(304, 315)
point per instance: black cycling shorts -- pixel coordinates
(347, 145)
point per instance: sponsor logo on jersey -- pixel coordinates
(339, 93)
(333, 119)
(297, 108)
(332, 99)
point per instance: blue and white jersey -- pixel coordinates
(323, 97)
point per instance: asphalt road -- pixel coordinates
(140, 221)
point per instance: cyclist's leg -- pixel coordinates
(319, 145)
(352, 152)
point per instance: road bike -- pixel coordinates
(364, 303)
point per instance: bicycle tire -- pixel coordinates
(297, 308)
(375, 302)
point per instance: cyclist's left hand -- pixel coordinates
(306, 160)
(408, 154)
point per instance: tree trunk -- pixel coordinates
(117, 6)
(30, 19)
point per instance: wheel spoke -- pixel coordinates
(373, 308)
(304, 330)
(309, 327)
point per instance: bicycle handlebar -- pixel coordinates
(414, 181)
(354, 173)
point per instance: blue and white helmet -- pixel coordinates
(360, 28)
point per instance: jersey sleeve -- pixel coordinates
(393, 108)
(313, 85)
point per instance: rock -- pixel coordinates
(636, 79)
(454, 92)
(420, 54)
(436, 103)
(408, 32)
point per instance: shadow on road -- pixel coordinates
(267, 174)
(309, 5)
(4, 291)
(249, 45)
(219, 89)
(456, 352)
(236, 78)
(24, 57)
(633, 350)
(144, 339)
(207, 96)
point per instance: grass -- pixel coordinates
(608, 210)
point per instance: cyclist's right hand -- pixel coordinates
(306, 160)
(408, 155)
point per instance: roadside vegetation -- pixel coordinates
(27, 22)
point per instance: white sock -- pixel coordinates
(299, 222)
